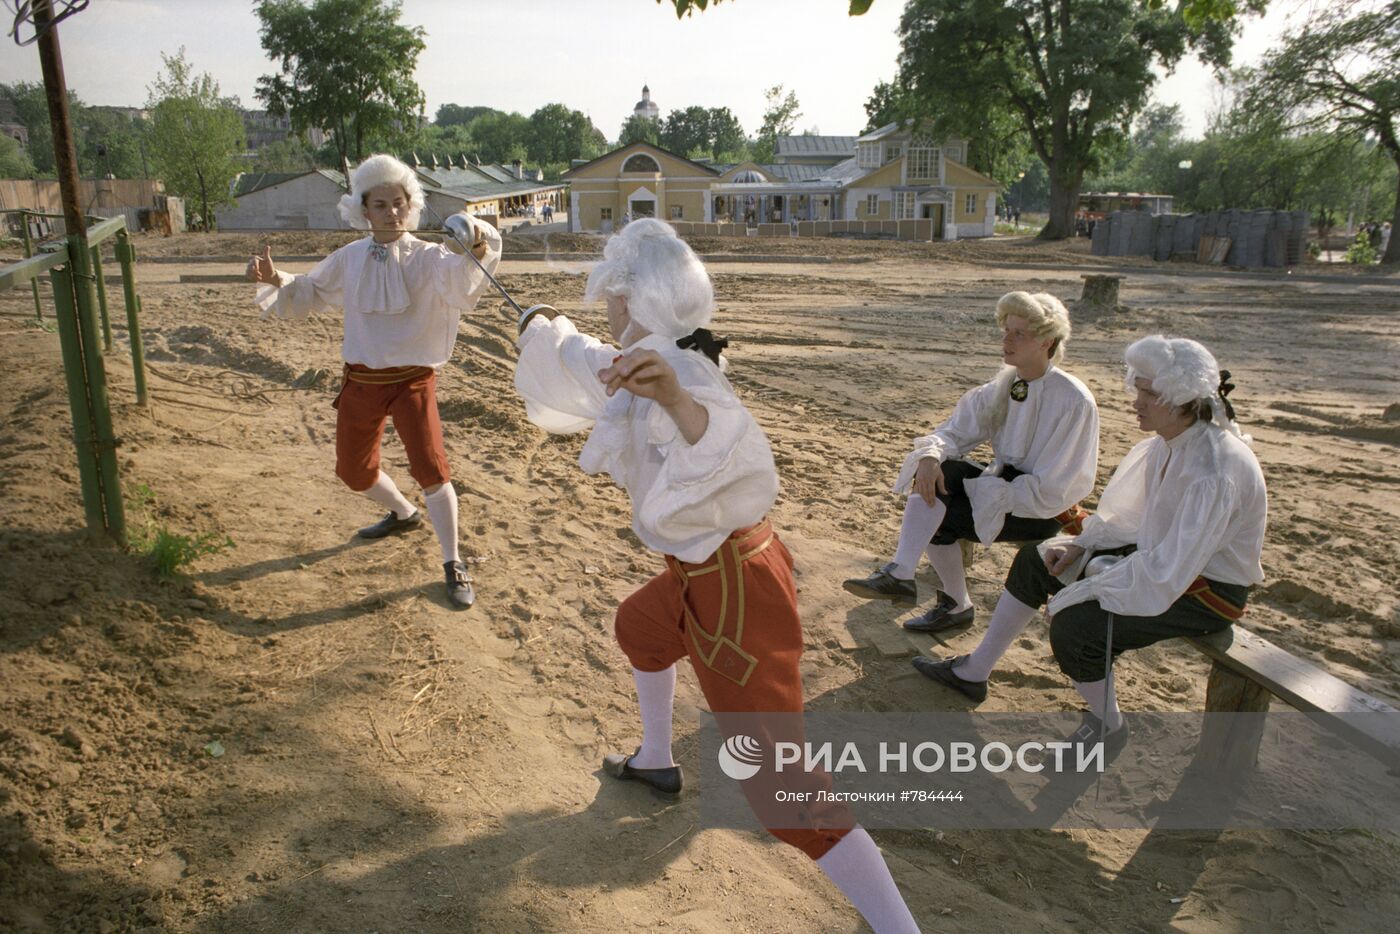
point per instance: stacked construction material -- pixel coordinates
(1256, 238)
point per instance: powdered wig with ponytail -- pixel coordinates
(1046, 315)
(667, 289)
(375, 171)
(1182, 373)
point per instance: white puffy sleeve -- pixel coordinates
(1064, 474)
(1149, 581)
(1071, 465)
(964, 430)
(456, 279)
(296, 297)
(1124, 502)
(557, 375)
(725, 480)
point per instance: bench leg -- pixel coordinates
(1230, 743)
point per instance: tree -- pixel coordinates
(888, 103)
(457, 115)
(687, 131)
(558, 134)
(285, 155)
(195, 138)
(1073, 73)
(1195, 11)
(778, 120)
(501, 137)
(32, 106)
(110, 142)
(639, 129)
(346, 68)
(727, 140)
(14, 163)
(687, 7)
(1338, 75)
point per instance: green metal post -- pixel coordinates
(126, 257)
(106, 441)
(78, 404)
(102, 298)
(28, 252)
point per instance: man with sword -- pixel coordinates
(401, 298)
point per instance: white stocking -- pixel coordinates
(859, 871)
(947, 563)
(920, 522)
(1103, 701)
(656, 694)
(385, 493)
(442, 509)
(1009, 619)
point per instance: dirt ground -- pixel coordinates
(391, 765)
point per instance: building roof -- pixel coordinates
(249, 182)
(707, 169)
(814, 146)
(889, 129)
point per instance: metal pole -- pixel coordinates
(81, 311)
(126, 257)
(28, 252)
(102, 298)
(73, 372)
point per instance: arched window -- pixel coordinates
(641, 163)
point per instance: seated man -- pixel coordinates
(1043, 427)
(1183, 518)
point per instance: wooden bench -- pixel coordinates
(1248, 670)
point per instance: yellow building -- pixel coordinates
(896, 178)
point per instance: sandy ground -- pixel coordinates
(392, 765)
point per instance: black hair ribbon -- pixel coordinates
(706, 343)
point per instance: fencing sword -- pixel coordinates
(523, 315)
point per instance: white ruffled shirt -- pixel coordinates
(401, 300)
(1194, 506)
(1052, 436)
(686, 498)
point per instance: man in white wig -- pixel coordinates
(1172, 550)
(401, 299)
(1043, 427)
(667, 426)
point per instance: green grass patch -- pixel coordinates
(167, 550)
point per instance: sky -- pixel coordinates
(591, 55)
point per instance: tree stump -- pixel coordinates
(1100, 295)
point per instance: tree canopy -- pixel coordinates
(1339, 74)
(779, 119)
(639, 129)
(1072, 73)
(346, 67)
(196, 137)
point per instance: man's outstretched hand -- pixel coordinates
(260, 268)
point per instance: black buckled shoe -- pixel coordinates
(941, 617)
(392, 525)
(882, 585)
(459, 584)
(941, 670)
(668, 781)
(1091, 732)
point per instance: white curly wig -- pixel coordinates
(1180, 371)
(1045, 313)
(379, 170)
(667, 289)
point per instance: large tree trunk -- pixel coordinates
(1064, 199)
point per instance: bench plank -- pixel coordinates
(1306, 687)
